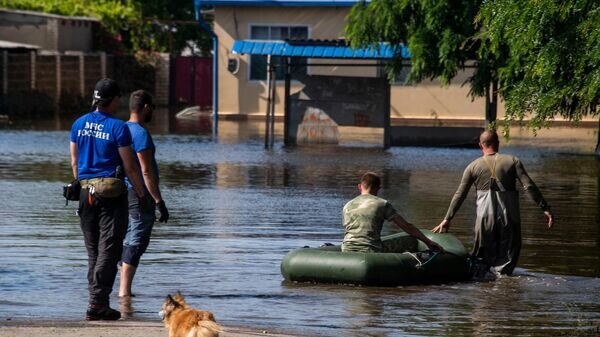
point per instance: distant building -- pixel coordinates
(49, 65)
(242, 91)
(49, 32)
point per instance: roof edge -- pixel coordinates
(319, 49)
(5, 44)
(48, 15)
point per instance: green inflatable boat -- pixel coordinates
(414, 265)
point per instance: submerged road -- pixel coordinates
(237, 210)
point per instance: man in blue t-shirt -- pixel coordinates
(140, 220)
(100, 150)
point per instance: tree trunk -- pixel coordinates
(491, 103)
(598, 140)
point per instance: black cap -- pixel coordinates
(106, 89)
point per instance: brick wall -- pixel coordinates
(69, 74)
(132, 76)
(38, 85)
(2, 71)
(45, 75)
(19, 72)
(92, 72)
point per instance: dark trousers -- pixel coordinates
(104, 224)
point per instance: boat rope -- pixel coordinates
(421, 264)
(435, 254)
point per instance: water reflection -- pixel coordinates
(237, 209)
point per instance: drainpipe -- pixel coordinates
(215, 39)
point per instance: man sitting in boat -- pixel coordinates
(364, 217)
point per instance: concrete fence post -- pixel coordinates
(82, 74)
(32, 66)
(387, 111)
(5, 72)
(58, 78)
(103, 64)
(161, 80)
(58, 92)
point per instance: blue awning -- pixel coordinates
(316, 50)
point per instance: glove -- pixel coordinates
(146, 203)
(164, 213)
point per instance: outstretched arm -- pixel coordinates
(457, 200)
(533, 191)
(414, 231)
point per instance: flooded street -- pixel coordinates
(237, 209)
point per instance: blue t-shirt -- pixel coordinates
(142, 140)
(99, 136)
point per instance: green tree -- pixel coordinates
(131, 26)
(553, 63)
(169, 26)
(441, 36)
(541, 57)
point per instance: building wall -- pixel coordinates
(239, 95)
(50, 32)
(426, 103)
(75, 35)
(36, 30)
(431, 104)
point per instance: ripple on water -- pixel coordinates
(236, 210)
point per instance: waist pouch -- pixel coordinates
(72, 190)
(105, 187)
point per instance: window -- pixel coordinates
(258, 63)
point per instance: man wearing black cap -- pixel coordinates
(100, 148)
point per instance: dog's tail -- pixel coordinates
(208, 329)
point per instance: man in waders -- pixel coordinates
(364, 217)
(140, 221)
(100, 148)
(498, 225)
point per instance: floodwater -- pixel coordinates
(236, 209)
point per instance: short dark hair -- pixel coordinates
(370, 181)
(138, 99)
(104, 103)
(489, 138)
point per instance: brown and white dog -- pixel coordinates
(183, 321)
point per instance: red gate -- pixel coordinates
(192, 81)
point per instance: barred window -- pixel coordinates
(258, 63)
